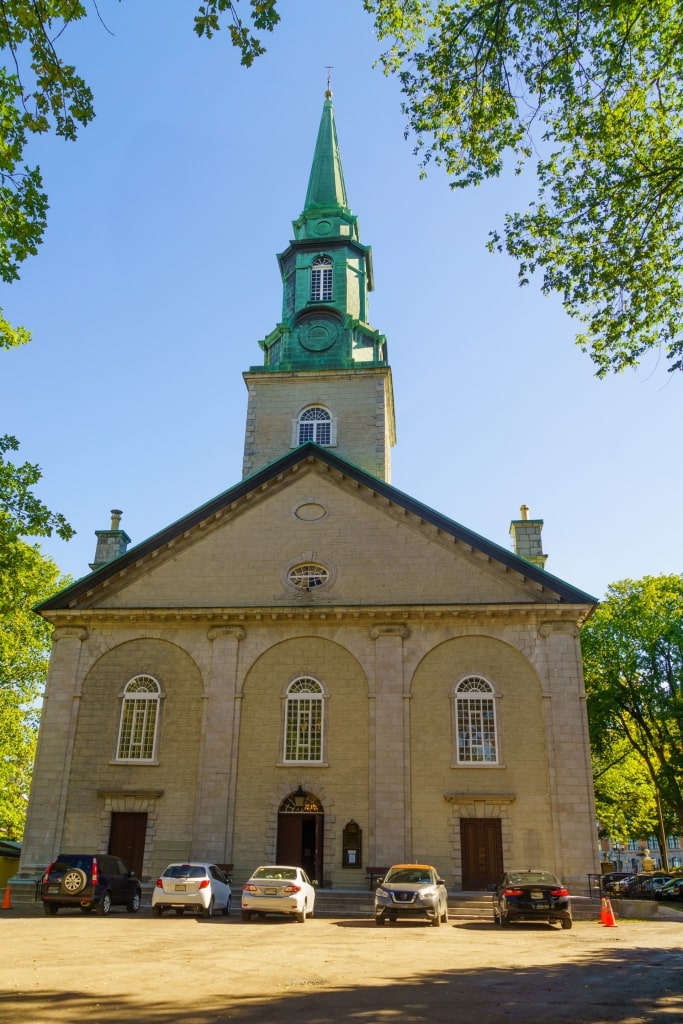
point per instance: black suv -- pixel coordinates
(91, 882)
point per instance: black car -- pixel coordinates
(528, 895)
(89, 881)
(672, 890)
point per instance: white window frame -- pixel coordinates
(321, 279)
(139, 720)
(319, 417)
(475, 722)
(304, 722)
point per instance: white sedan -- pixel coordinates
(193, 885)
(278, 889)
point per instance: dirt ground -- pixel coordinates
(134, 968)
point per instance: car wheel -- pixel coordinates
(436, 920)
(208, 911)
(246, 915)
(444, 917)
(74, 881)
(504, 921)
(104, 906)
(301, 916)
(50, 908)
(157, 911)
(380, 920)
(86, 910)
(566, 922)
(226, 908)
(134, 905)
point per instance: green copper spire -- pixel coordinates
(326, 276)
(326, 187)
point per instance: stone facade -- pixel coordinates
(409, 609)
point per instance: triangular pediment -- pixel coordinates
(380, 547)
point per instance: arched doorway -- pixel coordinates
(300, 822)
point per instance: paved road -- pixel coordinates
(127, 969)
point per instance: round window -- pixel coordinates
(308, 575)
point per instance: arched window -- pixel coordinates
(304, 721)
(315, 424)
(321, 279)
(475, 721)
(139, 718)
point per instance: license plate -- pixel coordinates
(180, 888)
(53, 889)
(536, 895)
(270, 892)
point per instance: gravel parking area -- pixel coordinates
(132, 968)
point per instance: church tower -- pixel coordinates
(325, 376)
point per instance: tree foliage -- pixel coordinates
(26, 578)
(633, 664)
(592, 94)
(38, 93)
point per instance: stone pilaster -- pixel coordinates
(218, 755)
(52, 770)
(389, 760)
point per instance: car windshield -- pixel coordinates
(277, 873)
(532, 877)
(408, 876)
(185, 871)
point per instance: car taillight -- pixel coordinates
(559, 892)
(204, 882)
(513, 892)
(48, 870)
(95, 872)
(160, 883)
(292, 888)
(248, 887)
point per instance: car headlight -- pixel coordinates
(382, 893)
(427, 894)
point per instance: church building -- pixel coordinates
(313, 667)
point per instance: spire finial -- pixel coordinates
(328, 91)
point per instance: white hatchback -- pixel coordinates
(278, 889)
(196, 886)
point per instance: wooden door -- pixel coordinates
(482, 852)
(300, 842)
(127, 838)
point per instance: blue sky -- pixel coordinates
(158, 277)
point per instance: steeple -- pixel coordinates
(324, 335)
(326, 189)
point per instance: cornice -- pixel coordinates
(532, 616)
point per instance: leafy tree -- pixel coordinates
(26, 577)
(633, 664)
(625, 797)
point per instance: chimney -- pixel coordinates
(110, 543)
(526, 538)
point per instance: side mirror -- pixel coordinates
(440, 881)
(314, 882)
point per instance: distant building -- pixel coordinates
(315, 667)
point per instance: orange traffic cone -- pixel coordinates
(609, 921)
(603, 910)
(7, 899)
